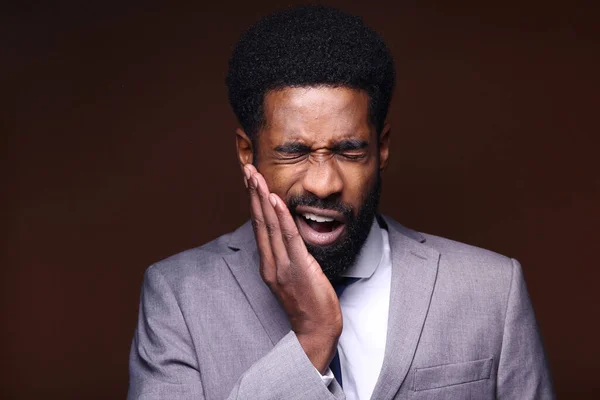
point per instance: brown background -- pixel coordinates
(120, 152)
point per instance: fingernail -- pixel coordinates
(246, 182)
(247, 172)
(273, 200)
(254, 182)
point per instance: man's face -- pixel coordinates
(321, 155)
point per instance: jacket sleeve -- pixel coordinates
(163, 362)
(523, 371)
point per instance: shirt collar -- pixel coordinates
(370, 255)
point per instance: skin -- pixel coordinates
(315, 140)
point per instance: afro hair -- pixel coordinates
(308, 46)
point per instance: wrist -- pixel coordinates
(319, 348)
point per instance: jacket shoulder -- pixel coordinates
(453, 249)
(204, 263)
(473, 271)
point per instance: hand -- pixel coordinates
(293, 275)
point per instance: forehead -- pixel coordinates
(319, 115)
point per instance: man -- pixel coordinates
(321, 297)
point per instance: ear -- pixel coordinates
(384, 146)
(245, 151)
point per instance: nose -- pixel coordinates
(322, 178)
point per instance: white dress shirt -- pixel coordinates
(365, 306)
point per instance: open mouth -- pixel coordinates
(319, 227)
(319, 223)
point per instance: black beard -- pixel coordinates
(337, 257)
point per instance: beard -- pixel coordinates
(337, 257)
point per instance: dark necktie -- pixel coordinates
(335, 362)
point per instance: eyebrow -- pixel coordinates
(344, 145)
(349, 145)
(292, 147)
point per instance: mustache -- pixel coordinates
(328, 203)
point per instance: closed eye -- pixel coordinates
(353, 155)
(291, 156)
(292, 151)
(352, 149)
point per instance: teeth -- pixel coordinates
(317, 218)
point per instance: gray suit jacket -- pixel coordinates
(460, 326)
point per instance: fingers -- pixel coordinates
(278, 248)
(276, 233)
(289, 231)
(263, 244)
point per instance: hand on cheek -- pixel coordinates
(292, 273)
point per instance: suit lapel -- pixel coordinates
(414, 271)
(244, 265)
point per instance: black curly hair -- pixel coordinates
(308, 46)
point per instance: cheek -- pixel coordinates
(358, 184)
(281, 179)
